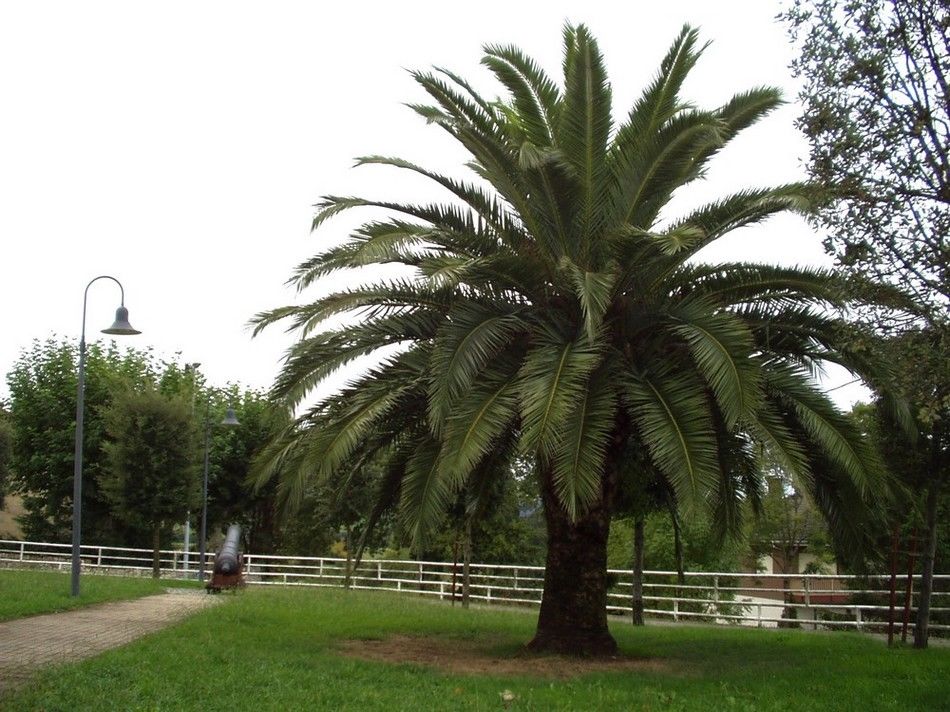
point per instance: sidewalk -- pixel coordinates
(29, 644)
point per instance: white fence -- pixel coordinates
(764, 600)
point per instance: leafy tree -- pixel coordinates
(6, 450)
(42, 415)
(877, 115)
(151, 481)
(232, 498)
(559, 311)
(921, 464)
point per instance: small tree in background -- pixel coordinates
(921, 464)
(42, 386)
(6, 450)
(151, 479)
(231, 497)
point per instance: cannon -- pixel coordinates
(228, 569)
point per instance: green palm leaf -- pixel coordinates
(675, 423)
(579, 457)
(552, 380)
(722, 348)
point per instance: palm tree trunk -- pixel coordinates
(573, 617)
(638, 570)
(922, 629)
(156, 554)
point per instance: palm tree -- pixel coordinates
(554, 309)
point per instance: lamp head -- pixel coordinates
(230, 418)
(121, 326)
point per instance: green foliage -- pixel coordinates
(702, 551)
(877, 114)
(232, 498)
(42, 410)
(151, 480)
(42, 414)
(560, 313)
(6, 451)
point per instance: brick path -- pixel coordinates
(28, 644)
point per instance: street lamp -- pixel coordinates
(121, 327)
(230, 420)
(191, 368)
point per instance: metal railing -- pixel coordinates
(759, 599)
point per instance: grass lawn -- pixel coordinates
(26, 593)
(280, 649)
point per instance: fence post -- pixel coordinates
(488, 597)
(857, 617)
(441, 591)
(321, 568)
(99, 558)
(759, 607)
(806, 586)
(379, 571)
(676, 609)
(420, 577)
(22, 548)
(716, 593)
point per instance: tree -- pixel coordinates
(232, 498)
(877, 114)
(43, 413)
(556, 310)
(6, 450)
(921, 463)
(151, 481)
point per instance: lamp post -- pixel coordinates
(230, 420)
(121, 327)
(191, 368)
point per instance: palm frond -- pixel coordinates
(675, 423)
(472, 335)
(583, 129)
(579, 458)
(722, 348)
(551, 381)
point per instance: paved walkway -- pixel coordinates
(28, 644)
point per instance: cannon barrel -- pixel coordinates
(228, 559)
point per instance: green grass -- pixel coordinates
(274, 649)
(27, 593)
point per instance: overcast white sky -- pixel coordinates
(180, 146)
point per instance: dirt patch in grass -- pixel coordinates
(481, 657)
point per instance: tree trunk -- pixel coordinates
(348, 579)
(573, 617)
(466, 561)
(156, 554)
(638, 570)
(922, 629)
(678, 549)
